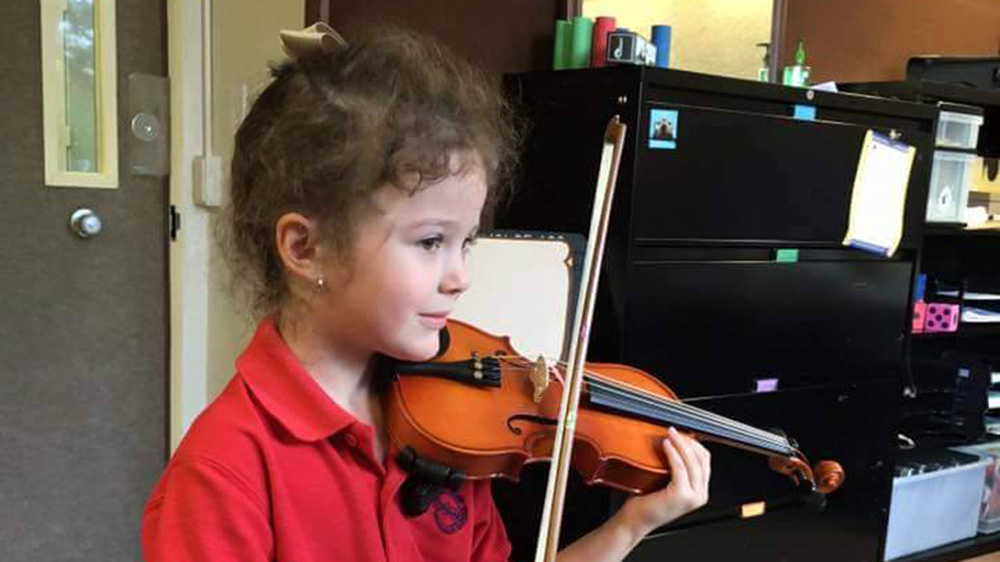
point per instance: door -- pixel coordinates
(83, 322)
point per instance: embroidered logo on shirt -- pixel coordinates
(450, 512)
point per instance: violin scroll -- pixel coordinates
(823, 478)
(829, 476)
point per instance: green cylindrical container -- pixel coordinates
(583, 33)
(560, 50)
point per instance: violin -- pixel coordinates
(482, 409)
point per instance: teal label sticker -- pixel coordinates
(786, 255)
(663, 129)
(805, 112)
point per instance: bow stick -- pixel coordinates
(562, 449)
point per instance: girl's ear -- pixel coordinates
(298, 241)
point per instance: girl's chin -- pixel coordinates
(423, 350)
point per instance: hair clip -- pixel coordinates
(318, 38)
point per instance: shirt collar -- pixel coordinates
(286, 390)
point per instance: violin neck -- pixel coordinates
(633, 402)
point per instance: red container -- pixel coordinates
(599, 42)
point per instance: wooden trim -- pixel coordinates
(568, 9)
(778, 16)
(189, 282)
(872, 40)
(317, 10)
(54, 96)
(312, 10)
(519, 32)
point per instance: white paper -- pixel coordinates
(973, 315)
(970, 296)
(825, 87)
(993, 402)
(879, 196)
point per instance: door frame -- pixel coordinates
(190, 252)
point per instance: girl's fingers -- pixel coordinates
(700, 455)
(692, 465)
(705, 459)
(708, 465)
(678, 469)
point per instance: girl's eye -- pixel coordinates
(467, 243)
(430, 244)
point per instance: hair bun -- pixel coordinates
(318, 38)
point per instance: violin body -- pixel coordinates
(493, 412)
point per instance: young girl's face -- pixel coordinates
(408, 268)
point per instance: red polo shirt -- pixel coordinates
(276, 470)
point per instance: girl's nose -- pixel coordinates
(456, 280)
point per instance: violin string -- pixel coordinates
(721, 429)
(693, 411)
(634, 393)
(684, 419)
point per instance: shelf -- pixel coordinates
(956, 551)
(943, 230)
(964, 331)
(979, 330)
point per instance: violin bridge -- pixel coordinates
(540, 378)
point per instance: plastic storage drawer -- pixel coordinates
(989, 509)
(958, 130)
(953, 491)
(949, 192)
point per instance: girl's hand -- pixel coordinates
(690, 467)
(687, 491)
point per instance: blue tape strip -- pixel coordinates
(918, 294)
(868, 247)
(884, 140)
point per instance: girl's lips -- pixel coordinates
(443, 314)
(434, 321)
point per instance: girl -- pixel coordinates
(359, 179)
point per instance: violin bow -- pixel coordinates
(562, 448)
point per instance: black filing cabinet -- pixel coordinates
(725, 275)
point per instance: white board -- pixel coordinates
(520, 287)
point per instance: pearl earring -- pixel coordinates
(320, 284)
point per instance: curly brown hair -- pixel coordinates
(330, 129)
